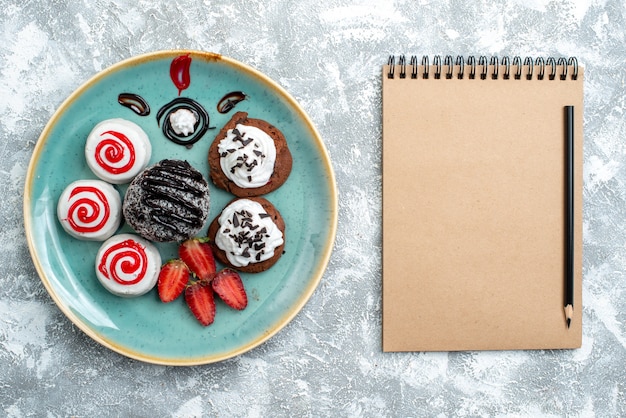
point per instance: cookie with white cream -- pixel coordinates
(249, 157)
(248, 235)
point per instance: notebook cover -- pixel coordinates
(474, 213)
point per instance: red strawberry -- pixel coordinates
(173, 278)
(200, 299)
(198, 256)
(229, 287)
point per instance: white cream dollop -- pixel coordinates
(247, 234)
(183, 122)
(247, 156)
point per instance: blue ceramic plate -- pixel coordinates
(144, 328)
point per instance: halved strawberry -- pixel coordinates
(198, 256)
(173, 278)
(200, 299)
(229, 287)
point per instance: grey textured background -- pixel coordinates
(328, 361)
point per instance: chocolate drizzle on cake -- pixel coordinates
(168, 201)
(166, 191)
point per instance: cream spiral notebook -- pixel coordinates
(474, 203)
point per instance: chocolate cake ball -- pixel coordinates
(167, 202)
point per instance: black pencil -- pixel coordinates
(569, 215)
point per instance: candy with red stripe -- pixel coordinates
(117, 150)
(90, 210)
(128, 265)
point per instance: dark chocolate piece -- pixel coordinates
(230, 100)
(135, 103)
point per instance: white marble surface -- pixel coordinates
(328, 361)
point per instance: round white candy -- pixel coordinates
(128, 265)
(90, 210)
(117, 150)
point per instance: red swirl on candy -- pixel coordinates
(89, 209)
(116, 153)
(117, 149)
(125, 262)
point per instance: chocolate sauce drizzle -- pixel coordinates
(230, 100)
(200, 127)
(170, 184)
(135, 103)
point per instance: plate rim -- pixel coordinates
(316, 274)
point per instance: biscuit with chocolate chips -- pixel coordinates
(249, 157)
(248, 235)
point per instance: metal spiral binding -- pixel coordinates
(517, 63)
(413, 64)
(487, 67)
(507, 68)
(392, 66)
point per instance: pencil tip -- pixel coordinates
(569, 312)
